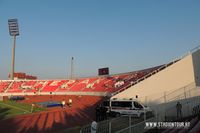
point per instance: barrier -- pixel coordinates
(49, 104)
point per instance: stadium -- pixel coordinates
(99, 66)
(179, 80)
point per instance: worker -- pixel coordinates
(94, 127)
(70, 102)
(63, 104)
(97, 113)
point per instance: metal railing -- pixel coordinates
(115, 124)
(137, 128)
(108, 126)
(168, 95)
(169, 106)
(188, 96)
(190, 101)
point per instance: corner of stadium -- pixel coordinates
(37, 105)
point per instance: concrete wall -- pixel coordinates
(171, 78)
(196, 64)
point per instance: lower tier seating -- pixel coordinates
(94, 84)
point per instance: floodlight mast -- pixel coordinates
(72, 68)
(14, 31)
(13, 59)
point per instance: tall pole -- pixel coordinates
(13, 59)
(14, 31)
(72, 67)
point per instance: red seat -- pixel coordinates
(4, 85)
(16, 87)
(52, 85)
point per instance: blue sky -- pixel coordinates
(125, 35)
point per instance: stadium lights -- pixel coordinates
(14, 31)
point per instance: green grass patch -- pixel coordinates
(11, 108)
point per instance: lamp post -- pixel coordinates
(14, 31)
(72, 68)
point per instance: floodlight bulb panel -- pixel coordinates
(13, 27)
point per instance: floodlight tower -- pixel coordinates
(14, 31)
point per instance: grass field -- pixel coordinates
(11, 108)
